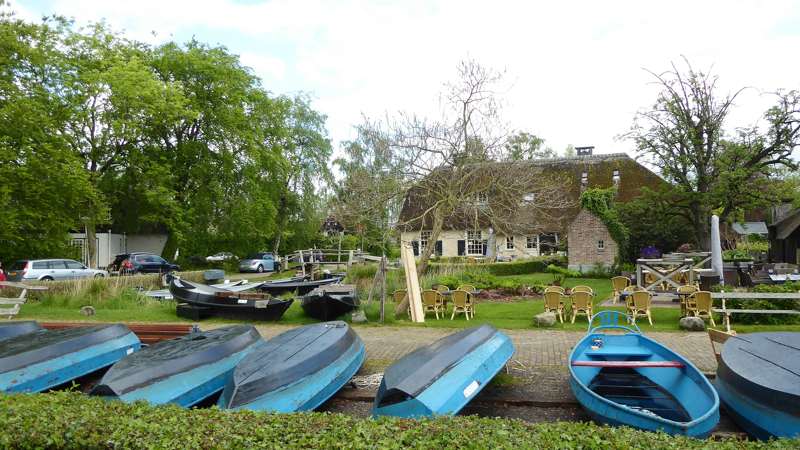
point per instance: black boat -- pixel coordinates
(329, 302)
(9, 330)
(184, 370)
(297, 370)
(302, 287)
(204, 301)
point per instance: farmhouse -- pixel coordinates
(467, 234)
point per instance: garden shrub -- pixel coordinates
(525, 266)
(69, 420)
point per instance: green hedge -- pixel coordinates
(777, 304)
(525, 266)
(74, 421)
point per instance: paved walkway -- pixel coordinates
(535, 348)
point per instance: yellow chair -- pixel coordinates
(641, 301)
(699, 304)
(399, 296)
(558, 289)
(619, 284)
(683, 294)
(582, 288)
(581, 303)
(432, 301)
(554, 302)
(441, 288)
(462, 302)
(466, 287)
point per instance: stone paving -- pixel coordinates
(534, 348)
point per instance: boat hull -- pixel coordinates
(9, 330)
(301, 287)
(183, 371)
(630, 395)
(327, 303)
(44, 359)
(453, 386)
(210, 301)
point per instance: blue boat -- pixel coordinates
(441, 378)
(758, 381)
(34, 362)
(184, 370)
(297, 370)
(630, 379)
(9, 330)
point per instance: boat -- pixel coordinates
(9, 330)
(330, 301)
(297, 370)
(212, 301)
(758, 381)
(302, 287)
(630, 379)
(42, 359)
(441, 378)
(185, 370)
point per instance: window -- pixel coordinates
(615, 176)
(531, 242)
(482, 198)
(530, 197)
(474, 242)
(548, 243)
(601, 245)
(424, 237)
(74, 265)
(40, 265)
(510, 242)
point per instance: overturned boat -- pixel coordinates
(297, 370)
(331, 301)
(200, 301)
(302, 286)
(758, 381)
(9, 330)
(630, 379)
(184, 370)
(441, 378)
(42, 359)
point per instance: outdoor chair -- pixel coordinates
(582, 288)
(581, 304)
(467, 287)
(619, 284)
(683, 294)
(641, 306)
(10, 306)
(399, 296)
(699, 304)
(432, 301)
(554, 302)
(462, 303)
(558, 289)
(441, 288)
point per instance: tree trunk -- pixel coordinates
(91, 244)
(438, 221)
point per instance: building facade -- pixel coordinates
(589, 243)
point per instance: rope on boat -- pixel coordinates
(372, 380)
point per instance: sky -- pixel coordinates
(575, 72)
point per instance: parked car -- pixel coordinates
(141, 262)
(221, 256)
(51, 270)
(258, 262)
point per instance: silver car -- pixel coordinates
(51, 270)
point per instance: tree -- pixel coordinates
(526, 146)
(684, 136)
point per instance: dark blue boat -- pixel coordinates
(331, 301)
(758, 380)
(34, 362)
(297, 370)
(9, 330)
(443, 377)
(630, 379)
(184, 370)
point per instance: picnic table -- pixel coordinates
(782, 278)
(726, 312)
(16, 301)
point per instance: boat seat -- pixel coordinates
(620, 351)
(628, 364)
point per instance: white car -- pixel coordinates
(51, 270)
(221, 256)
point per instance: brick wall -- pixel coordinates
(583, 236)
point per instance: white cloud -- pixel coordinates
(575, 68)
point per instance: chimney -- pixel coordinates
(584, 151)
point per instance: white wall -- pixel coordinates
(110, 245)
(151, 243)
(450, 240)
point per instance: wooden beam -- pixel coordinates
(412, 283)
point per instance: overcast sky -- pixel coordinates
(574, 70)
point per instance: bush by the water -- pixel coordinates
(68, 420)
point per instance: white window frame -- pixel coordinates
(424, 238)
(615, 176)
(601, 244)
(474, 244)
(532, 238)
(509, 242)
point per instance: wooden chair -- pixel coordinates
(718, 337)
(619, 284)
(699, 304)
(582, 288)
(432, 301)
(462, 302)
(558, 289)
(399, 296)
(441, 288)
(683, 294)
(641, 301)
(554, 302)
(581, 303)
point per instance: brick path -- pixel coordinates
(535, 348)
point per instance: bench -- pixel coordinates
(147, 333)
(617, 351)
(16, 302)
(726, 312)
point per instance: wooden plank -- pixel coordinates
(756, 311)
(757, 295)
(147, 333)
(628, 364)
(412, 283)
